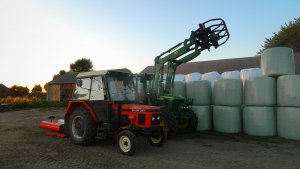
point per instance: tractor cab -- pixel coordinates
(104, 92)
(108, 85)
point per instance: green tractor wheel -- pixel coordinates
(188, 124)
(168, 120)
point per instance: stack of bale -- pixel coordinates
(179, 85)
(231, 75)
(192, 77)
(259, 118)
(227, 97)
(179, 78)
(200, 91)
(212, 77)
(249, 73)
(279, 62)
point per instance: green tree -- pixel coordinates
(37, 89)
(287, 36)
(81, 65)
(61, 72)
(19, 90)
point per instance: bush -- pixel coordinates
(31, 102)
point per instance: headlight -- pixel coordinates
(153, 118)
(158, 118)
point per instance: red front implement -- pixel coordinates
(56, 129)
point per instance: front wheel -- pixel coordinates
(126, 142)
(158, 138)
(189, 123)
(168, 120)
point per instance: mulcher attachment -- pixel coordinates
(55, 129)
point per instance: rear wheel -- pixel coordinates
(82, 127)
(157, 138)
(188, 124)
(126, 142)
(168, 120)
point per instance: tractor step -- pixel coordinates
(101, 135)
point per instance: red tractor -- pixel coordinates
(104, 107)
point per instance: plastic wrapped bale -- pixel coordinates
(288, 90)
(260, 91)
(277, 61)
(179, 78)
(228, 92)
(164, 77)
(211, 76)
(288, 122)
(204, 115)
(230, 75)
(227, 119)
(179, 89)
(259, 121)
(200, 91)
(193, 77)
(249, 73)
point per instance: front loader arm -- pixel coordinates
(171, 54)
(210, 33)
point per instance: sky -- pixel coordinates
(40, 38)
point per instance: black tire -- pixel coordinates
(126, 142)
(158, 138)
(172, 124)
(189, 124)
(82, 127)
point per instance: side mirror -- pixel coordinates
(79, 82)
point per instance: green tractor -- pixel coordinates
(155, 89)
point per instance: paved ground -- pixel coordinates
(24, 145)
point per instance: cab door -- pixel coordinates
(98, 99)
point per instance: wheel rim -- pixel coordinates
(78, 128)
(125, 144)
(163, 122)
(156, 140)
(183, 124)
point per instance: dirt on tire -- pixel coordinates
(24, 145)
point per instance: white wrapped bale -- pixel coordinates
(246, 74)
(179, 89)
(277, 61)
(259, 121)
(288, 90)
(200, 91)
(288, 122)
(260, 91)
(204, 115)
(193, 77)
(227, 119)
(230, 75)
(228, 92)
(211, 76)
(179, 78)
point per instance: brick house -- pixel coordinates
(62, 87)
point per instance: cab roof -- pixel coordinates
(103, 72)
